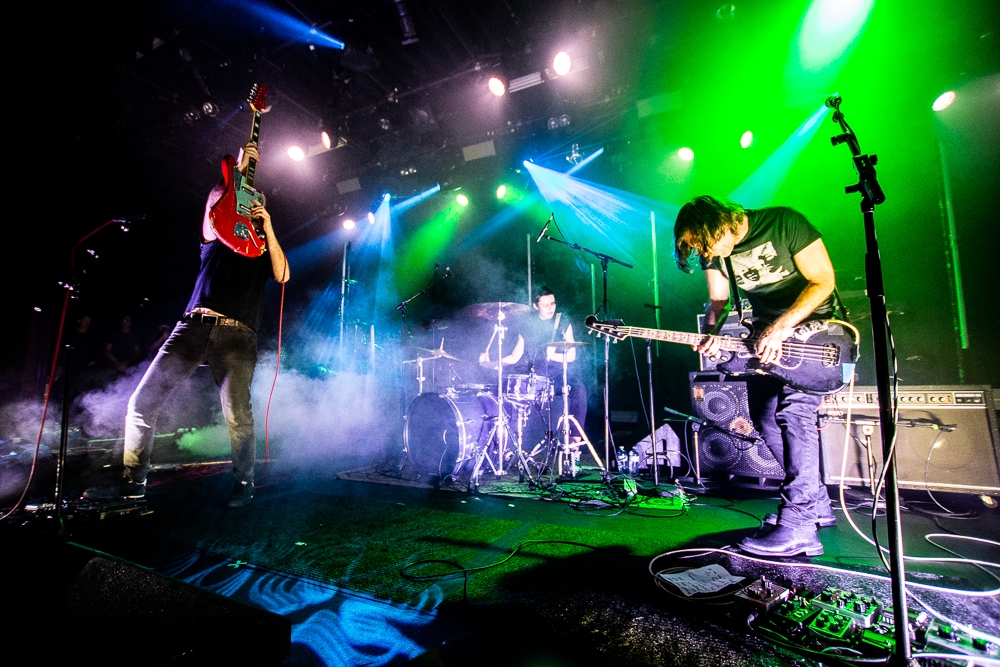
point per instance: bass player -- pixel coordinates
(778, 260)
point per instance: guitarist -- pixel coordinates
(778, 261)
(219, 327)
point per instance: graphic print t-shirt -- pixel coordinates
(763, 263)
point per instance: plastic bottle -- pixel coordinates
(622, 460)
(633, 461)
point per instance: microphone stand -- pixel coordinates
(402, 328)
(605, 260)
(871, 196)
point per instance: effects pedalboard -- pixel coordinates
(846, 625)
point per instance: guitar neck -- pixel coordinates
(726, 343)
(254, 136)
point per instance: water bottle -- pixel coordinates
(633, 461)
(622, 461)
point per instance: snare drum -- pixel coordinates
(529, 388)
(443, 433)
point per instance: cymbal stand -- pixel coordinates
(501, 428)
(567, 422)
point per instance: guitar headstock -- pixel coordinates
(611, 328)
(257, 97)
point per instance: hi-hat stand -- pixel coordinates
(569, 452)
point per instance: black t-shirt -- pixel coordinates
(231, 284)
(763, 263)
(536, 333)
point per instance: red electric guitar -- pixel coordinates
(230, 215)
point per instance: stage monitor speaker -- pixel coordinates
(728, 443)
(946, 439)
(82, 606)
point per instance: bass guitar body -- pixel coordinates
(818, 358)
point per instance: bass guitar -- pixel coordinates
(230, 215)
(818, 358)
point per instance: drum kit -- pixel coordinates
(467, 430)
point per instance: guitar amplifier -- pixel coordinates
(728, 443)
(946, 439)
(731, 327)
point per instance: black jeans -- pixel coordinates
(787, 420)
(231, 353)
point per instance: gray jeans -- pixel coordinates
(787, 420)
(231, 353)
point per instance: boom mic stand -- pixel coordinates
(871, 196)
(605, 260)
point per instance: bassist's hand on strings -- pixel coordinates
(769, 344)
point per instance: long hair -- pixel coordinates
(700, 223)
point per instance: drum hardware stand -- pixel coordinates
(567, 421)
(501, 430)
(605, 260)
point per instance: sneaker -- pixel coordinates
(124, 490)
(241, 496)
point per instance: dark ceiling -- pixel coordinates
(405, 95)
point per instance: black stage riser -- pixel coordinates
(74, 603)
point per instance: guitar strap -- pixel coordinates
(734, 291)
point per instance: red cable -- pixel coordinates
(277, 365)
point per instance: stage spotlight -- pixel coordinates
(564, 120)
(501, 192)
(496, 86)
(209, 109)
(747, 139)
(348, 224)
(553, 124)
(324, 139)
(685, 154)
(462, 200)
(943, 101)
(371, 218)
(296, 153)
(562, 63)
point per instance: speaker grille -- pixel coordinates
(729, 443)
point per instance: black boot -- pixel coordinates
(241, 496)
(124, 490)
(784, 542)
(826, 519)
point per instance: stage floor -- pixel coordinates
(373, 566)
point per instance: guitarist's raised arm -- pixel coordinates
(279, 264)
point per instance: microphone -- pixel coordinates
(833, 101)
(545, 228)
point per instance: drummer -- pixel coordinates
(534, 353)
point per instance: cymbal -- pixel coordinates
(435, 354)
(565, 344)
(489, 309)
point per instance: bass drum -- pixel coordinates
(443, 433)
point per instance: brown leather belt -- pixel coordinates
(216, 320)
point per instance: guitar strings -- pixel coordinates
(789, 349)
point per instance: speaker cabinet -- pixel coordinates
(728, 443)
(946, 439)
